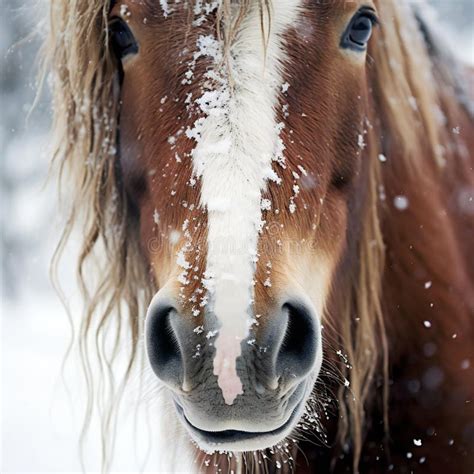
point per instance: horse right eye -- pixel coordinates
(122, 40)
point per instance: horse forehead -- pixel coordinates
(254, 78)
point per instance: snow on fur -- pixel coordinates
(237, 140)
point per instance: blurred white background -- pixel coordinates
(40, 422)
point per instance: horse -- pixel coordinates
(278, 200)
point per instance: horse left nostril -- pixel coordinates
(298, 349)
(162, 345)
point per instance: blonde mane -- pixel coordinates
(85, 128)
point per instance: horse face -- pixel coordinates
(242, 160)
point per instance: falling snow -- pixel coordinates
(401, 203)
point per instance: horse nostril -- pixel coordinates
(162, 344)
(298, 349)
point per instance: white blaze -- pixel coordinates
(237, 139)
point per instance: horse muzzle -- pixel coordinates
(278, 365)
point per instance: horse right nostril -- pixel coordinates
(298, 349)
(162, 344)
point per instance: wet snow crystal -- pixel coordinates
(401, 203)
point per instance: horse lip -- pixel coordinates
(219, 439)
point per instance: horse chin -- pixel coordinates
(245, 439)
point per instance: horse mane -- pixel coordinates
(116, 285)
(112, 271)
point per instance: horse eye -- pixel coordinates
(359, 31)
(122, 40)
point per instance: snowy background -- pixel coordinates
(40, 420)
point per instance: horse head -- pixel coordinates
(242, 139)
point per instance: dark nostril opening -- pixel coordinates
(299, 346)
(162, 345)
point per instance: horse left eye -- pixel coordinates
(359, 31)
